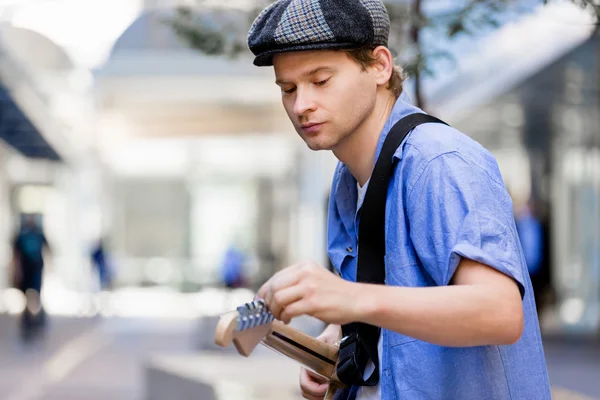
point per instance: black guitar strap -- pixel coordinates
(359, 343)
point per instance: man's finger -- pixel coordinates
(282, 279)
(260, 293)
(311, 397)
(316, 390)
(312, 385)
(289, 277)
(283, 298)
(316, 377)
(295, 309)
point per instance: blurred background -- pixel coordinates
(151, 169)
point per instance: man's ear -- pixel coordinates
(383, 66)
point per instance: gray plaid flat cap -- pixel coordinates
(297, 25)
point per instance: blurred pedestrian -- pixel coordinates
(102, 265)
(29, 246)
(233, 268)
(531, 236)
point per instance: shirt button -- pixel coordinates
(349, 249)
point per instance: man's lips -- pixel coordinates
(311, 127)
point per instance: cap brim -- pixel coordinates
(265, 59)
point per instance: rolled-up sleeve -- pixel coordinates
(457, 208)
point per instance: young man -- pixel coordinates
(457, 312)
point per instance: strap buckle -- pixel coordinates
(353, 358)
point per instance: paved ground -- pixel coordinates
(574, 365)
(91, 359)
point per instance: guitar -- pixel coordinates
(252, 324)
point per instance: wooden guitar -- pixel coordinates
(252, 324)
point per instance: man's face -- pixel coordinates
(326, 95)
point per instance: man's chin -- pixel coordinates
(316, 146)
(318, 143)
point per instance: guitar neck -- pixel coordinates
(314, 354)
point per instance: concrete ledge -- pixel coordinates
(263, 376)
(564, 394)
(163, 384)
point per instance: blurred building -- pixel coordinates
(174, 155)
(532, 98)
(170, 154)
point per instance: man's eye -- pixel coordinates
(321, 83)
(288, 91)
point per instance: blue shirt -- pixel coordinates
(446, 200)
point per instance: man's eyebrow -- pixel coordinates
(319, 69)
(309, 73)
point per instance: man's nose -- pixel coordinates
(304, 102)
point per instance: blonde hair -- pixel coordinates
(364, 57)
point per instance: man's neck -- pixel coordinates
(357, 152)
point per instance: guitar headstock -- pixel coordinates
(245, 327)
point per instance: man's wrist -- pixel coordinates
(364, 302)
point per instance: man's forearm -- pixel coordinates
(456, 316)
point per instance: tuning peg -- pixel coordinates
(253, 314)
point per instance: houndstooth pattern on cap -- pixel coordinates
(302, 22)
(380, 18)
(260, 17)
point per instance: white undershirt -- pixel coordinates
(369, 392)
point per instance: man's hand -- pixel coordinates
(308, 289)
(314, 386)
